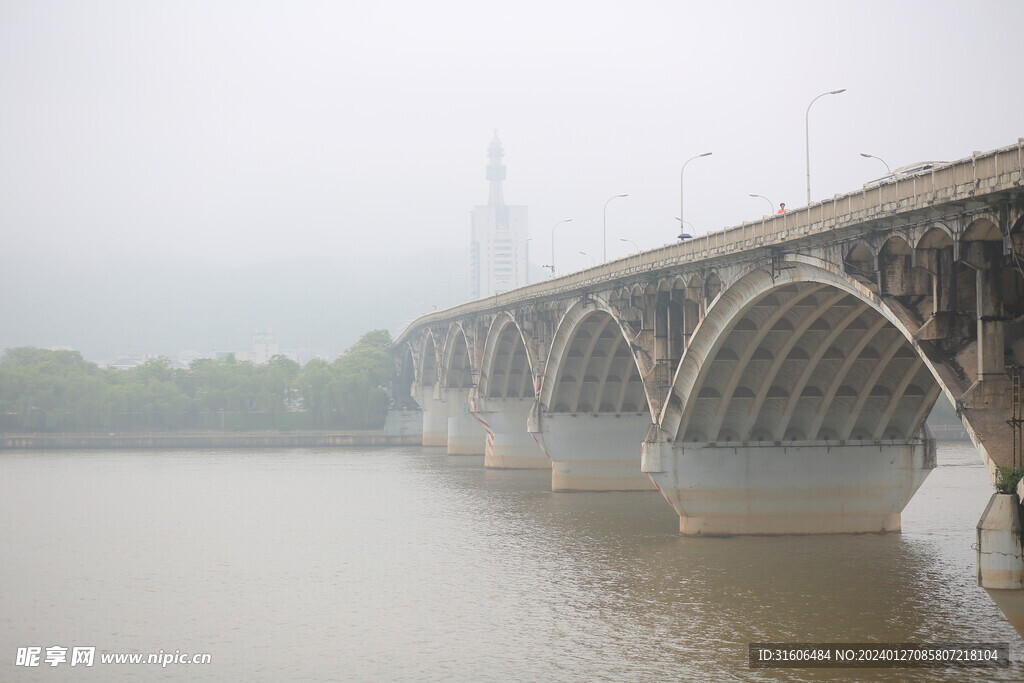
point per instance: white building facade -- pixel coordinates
(264, 347)
(499, 256)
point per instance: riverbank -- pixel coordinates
(45, 441)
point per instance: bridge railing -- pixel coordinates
(971, 177)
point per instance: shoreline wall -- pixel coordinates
(205, 440)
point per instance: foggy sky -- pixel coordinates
(232, 134)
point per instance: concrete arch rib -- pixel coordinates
(429, 395)
(593, 446)
(733, 303)
(503, 399)
(405, 384)
(458, 367)
(812, 363)
(781, 357)
(743, 361)
(504, 331)
(584, 371)
(867, 387)
(465, 436)
(821, 480)
(562, 343)
(428, 371)
(827, 404)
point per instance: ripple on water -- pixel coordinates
(407, 564)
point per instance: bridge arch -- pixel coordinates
(805, 356)
(861, 262)
(428, 371)
(405, 383)
(935, 236)
(983, 228)
(428, 390)
(591, 366)
(506, 368)
(458, 360)
(897, 276)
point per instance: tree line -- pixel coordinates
(47, 391)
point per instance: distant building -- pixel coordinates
(128, 362)
(498, 248)
(264, 347)
(184, 359)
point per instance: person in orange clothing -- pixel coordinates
(782, 208)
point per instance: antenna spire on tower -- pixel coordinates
(495, 171)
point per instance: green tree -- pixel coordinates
(317, 385)
(364, 372)
(48, 390)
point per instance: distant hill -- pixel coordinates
(107, 309)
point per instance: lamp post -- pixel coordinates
(526, 248)
(872, 156)
(807, 136)
(623, 239)
(771, 207)
(682, 215)
(567, 220)
(589, 256)
(604, 223)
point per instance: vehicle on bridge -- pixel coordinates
(905, 172)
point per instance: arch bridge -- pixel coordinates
(772, 377)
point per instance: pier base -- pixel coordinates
(595, 452)
(800, 488)
(509, 446)
(1001, 557)
(435, 422)
(466, 436)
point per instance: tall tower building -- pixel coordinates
(498, 247)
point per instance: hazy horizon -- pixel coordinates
(312, 159)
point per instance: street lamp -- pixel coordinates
(567, 220)
(590, 257)
(526, 248)
(623, 239)
(604, 223)
(771, 207)
(683, 235)
(807, 136)
(682, 215)
(872, 156)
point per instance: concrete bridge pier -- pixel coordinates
(509, 446)
(1001, 555)
(435, 419)
(465, 435)
(797, 488)
(593, 452)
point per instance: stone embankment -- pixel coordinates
(44, 441)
